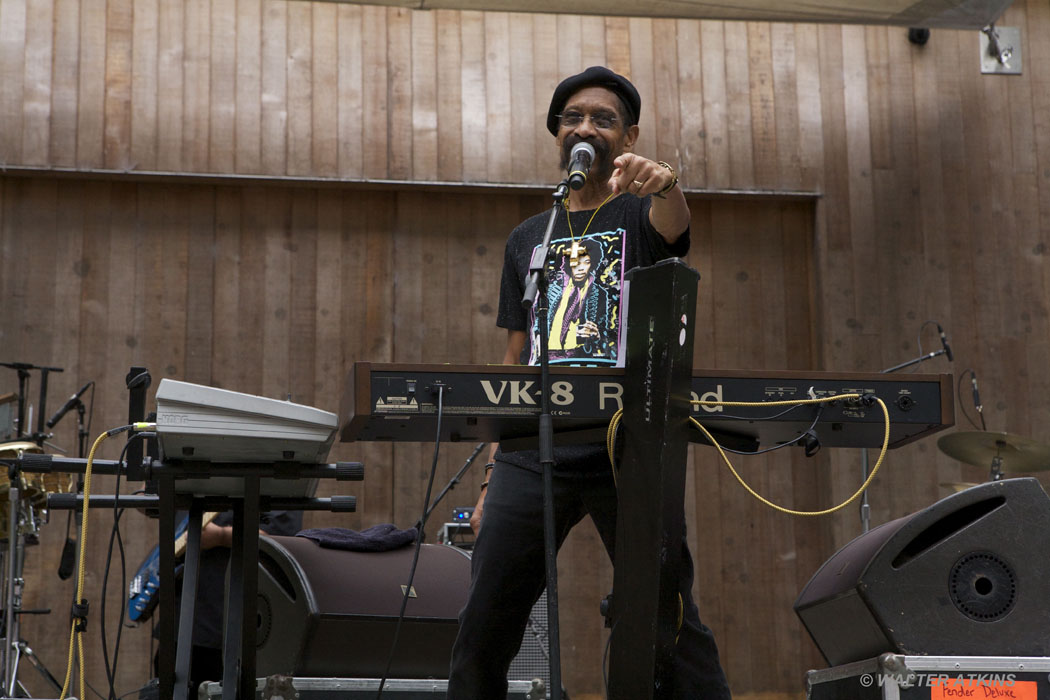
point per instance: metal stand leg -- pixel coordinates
(15, 685)
(995, 472)
(166, 608)
(5, 606)
(865, 507)
(238, 676)
(189, 602)
(14, 647)
(27, 653)
(12, 591)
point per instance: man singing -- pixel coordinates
(630, 213)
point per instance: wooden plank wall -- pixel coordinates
(934, 203)
(276, 291)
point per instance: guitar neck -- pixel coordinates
(180, 541)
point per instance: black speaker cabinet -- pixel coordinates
(332, 613)
(970, 575)
(533, 658)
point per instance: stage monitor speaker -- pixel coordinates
(332, 613)
(533, 658)
(968, 576)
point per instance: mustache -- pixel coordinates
(602, 165)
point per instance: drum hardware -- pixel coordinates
(865, 506)
(36, 488)
(13, 426)
(13, 589)
(24, 651)
(8, 415)
(22, 513)
(23, 369)
(1001, 452)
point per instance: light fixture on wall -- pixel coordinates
(918, 35)
(1000, 50)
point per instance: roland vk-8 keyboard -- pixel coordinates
(501, 402)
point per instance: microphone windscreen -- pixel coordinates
(583, 147)
(66, 564)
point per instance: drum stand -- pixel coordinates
(14, 647)
(865, 507)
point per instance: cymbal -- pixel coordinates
(958, 486)
(16, 448)
(980, 448)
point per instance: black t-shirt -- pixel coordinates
(586, 266)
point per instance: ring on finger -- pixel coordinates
(639, 184)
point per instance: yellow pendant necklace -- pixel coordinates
(574, 251)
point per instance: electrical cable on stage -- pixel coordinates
(118, 513)
(114, 534)
(419, 541)
(610, 442)
(80, 605)
(794, 441)
(962, 405)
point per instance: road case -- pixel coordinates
(289, 688)
(899, 677)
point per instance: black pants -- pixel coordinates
(508, 576)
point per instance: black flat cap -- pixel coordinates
(595, 76)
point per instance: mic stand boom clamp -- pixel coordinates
(865, 506)
(536, 297)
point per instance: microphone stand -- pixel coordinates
(865, 507)
(23, 381)
(915, 361)
(39, 437)
(536, 296)
(82, 432)
(82, 438)
(449, 486)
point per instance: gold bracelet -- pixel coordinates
(671, 185)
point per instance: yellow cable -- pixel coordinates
(74, 635)
(681, 618)
(80, 670)
(69, 663)
(610, 443)
(610, 440)
(805, 513)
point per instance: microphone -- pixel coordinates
(976, 395)
(944, 342)
(579, 163)
(73, 401)
(67, 563)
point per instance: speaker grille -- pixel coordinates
(533, 659)
(983, 586)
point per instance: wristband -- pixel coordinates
(671, 185)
